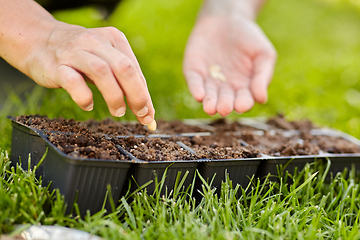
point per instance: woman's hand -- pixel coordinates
(241, 56)
(59, 55)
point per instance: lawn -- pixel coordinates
(316, 77)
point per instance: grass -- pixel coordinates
(308, 208)
(316, 77)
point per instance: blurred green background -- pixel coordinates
(316, 76)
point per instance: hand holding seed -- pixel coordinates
(60, 55)
(228, 64)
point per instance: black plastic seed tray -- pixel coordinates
(83, 180)
(86, 179)
(145, 172)
(274, 165)
(80, 176)
(239, 171)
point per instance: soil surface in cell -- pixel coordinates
(222, 125)
(274, 143)
(155, 149)
(220, 147)
(87, 145)
(281, 123)
(57, 124)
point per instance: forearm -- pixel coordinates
(232, 8)
(24, 25)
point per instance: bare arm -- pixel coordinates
(226, 38)
(59, 55)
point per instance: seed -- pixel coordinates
(216, 73)
(152, 126)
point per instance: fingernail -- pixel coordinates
(120, 112)
(142, 112)
(147, 120)
(90, 107)
(152, 126)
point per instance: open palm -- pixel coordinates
(242, 52)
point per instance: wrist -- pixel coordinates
(232, 8)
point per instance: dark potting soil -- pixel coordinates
(57, 124)
(177, 126)
(106, 126)
(109, 126)
(155, 149)
(217, 147)
(89, 141)
(222, 125)
(281, 123)
(87, 145)
(275, 144)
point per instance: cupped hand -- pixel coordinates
(73, 55)
(242, 57)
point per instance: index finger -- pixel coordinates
(130, 81)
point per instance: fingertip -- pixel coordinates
(264, 67)
(90, 107)
(152, 126)
(149, 117)
(199, 96)
(243, 104)
(260, 97)
(120, 112)
(224, 109)
(210, 110)
(147, 120)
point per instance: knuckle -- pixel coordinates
(112, 30)
(125, 67)
(86, 36)
(114, 97)
(63, 53)
(140, 99)
(116, 33)
(100, 68)
(70, 81)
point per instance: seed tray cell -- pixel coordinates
(146, 171)
(84, 180)
(339, 161)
